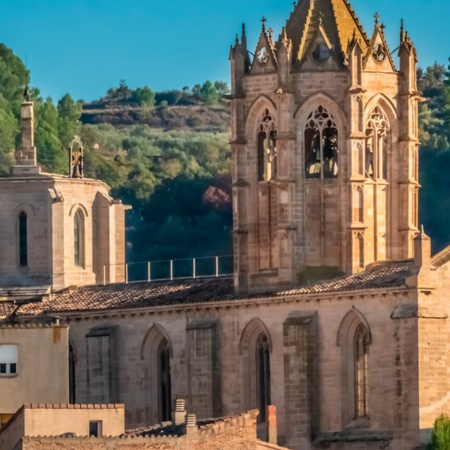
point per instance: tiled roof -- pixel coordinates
(179, 292)
(170, 429)
(379, 275)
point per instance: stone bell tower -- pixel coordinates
(325, 149)
(57, 231)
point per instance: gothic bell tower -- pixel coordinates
(325, 149)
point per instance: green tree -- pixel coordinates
(209, 94)
(440, 438)
(69, 112)
(143, 96)
(8, 134)
(222, 88)
(51, 153)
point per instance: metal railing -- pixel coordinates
(171, 269)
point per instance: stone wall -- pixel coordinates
(50, 203)
(392, 363)
(42, 369)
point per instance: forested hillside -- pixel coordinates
(434, 121)
(167, 155)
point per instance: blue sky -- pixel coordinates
(86, 46)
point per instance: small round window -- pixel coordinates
(379, 53)
(321, 52)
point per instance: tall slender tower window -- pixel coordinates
(377, 131)
(263, 375)
(321, 145)
(23, 240)
(165, 388)
(78, 238)
(267, 147)
(361, 369)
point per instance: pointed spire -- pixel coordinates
(244, 37)
(335, 17)
(264, 20)
(402, 32)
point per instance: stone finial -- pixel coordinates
(179, 415)
(377, 18)
(264, 20)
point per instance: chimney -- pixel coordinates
(191, 424)
(179, 415)
(272, 433)
(422, 249)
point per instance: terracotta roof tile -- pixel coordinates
(179, 292)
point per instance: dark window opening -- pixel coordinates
(321, 52)
(263, 375)
(71, 375)
(23, 240)
(95, 428)
(165, 394)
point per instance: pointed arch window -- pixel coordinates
(23, 239)
(321, 145)
(354, 339)
(361, 371)
(164, 381)
(78, 239)
(263, 375)
(377, 132)
(267, 147)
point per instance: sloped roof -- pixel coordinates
(384, 275)
(338, 20)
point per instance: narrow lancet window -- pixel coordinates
(165, 395)
(263, 375)
(267, 147)
(377, 131)
(23, 240)
(360, 370)
(321, 145)
(78, 237)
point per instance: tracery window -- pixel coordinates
(321, 145)
(78, 239)
(377, 131)
(267, 147)
(360, 370)
(23, 239)
(164, 381)
(263, 375)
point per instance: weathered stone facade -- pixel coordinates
(325, 179)
(325, 148)
(38, 216)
